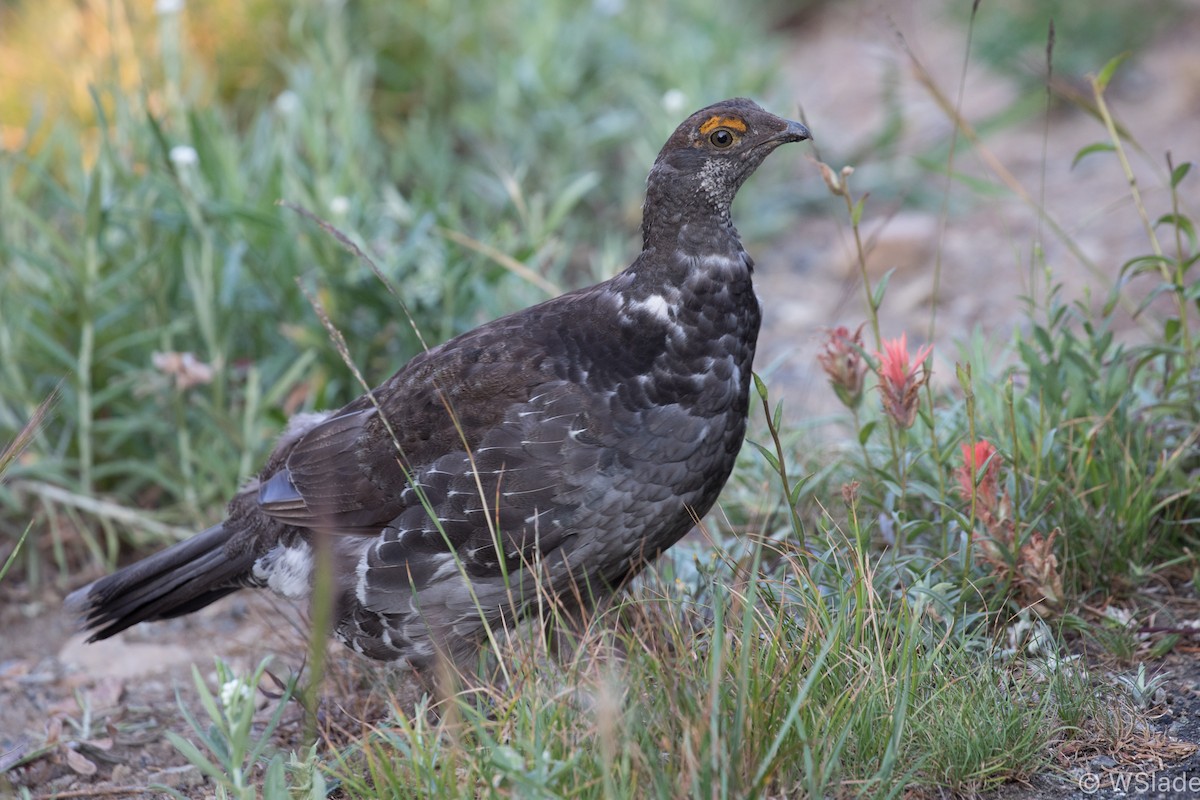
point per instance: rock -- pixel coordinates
(122, 774)
(906, 242)
(117, 658)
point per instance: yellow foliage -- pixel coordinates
(52, 52)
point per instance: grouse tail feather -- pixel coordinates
(183, 578)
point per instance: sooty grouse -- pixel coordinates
(563, 446)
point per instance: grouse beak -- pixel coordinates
(794, 132)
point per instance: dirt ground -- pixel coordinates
(99, 712)
(95, 716)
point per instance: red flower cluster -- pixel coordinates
(900, 378)
(985, 486)
(1030, 564)
(843, 362)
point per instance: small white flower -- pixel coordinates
(287, 103)
(183, 155)
(164, 7)
(673, 101)
(339, 206)
(235, 691)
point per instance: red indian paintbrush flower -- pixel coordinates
(843, 362)
(986, 485)
(899, 379)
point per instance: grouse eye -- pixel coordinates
(721, 138)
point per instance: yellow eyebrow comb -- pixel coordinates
(723, 122)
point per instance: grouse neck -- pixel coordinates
(685, 215)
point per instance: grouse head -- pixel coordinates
(706, 160)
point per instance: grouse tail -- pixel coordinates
(179, 580)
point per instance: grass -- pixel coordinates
(853, 614)
(771, 690)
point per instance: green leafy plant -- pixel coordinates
(233, 750)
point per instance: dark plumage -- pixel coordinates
(583, 435)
